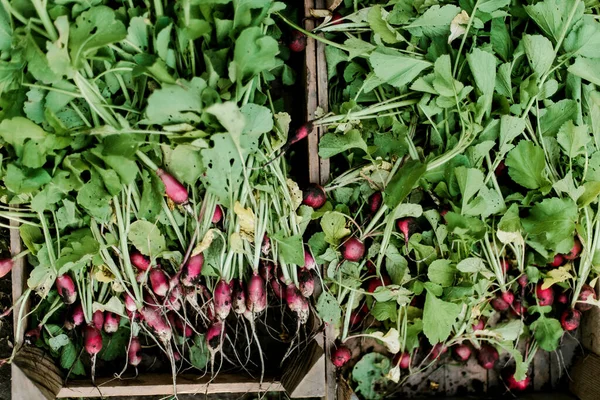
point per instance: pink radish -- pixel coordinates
(192, 270)
(217, 215)
(183, 328)
(499, 304)
(523, 280)
(266, 270)
(239, 297)
(545, 296)
(309, 261)
(174, 299)
(562, 298)
(374, 283)
(130, 303)
(157, 323)
(438, 350)
(256, 300)
(111, 322)
(98, 319)
(570, 319)
(296, 302)
(213, 336)
(505, 266)
(75, 318)
(92, 340)
(461, 352)
(159, 282)
(575, 251)
(479, 326)
(353, 249)
(402, 360)
(517, 386)
(222, 299)
(314, 196)
(356, 318)
(336, 18)
(518, 309)
(557, 261)
(66, 289)
(405, 225)
(487, 356)
(508, 297)
(174, 189)
(277, 288)
(375, 201)
(133, 354)
(306, 282)
(6, 266)
(340, 356)
(139, 261)
(297, 42)
(587, 294)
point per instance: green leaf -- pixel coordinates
(329, 309)
(509, 330)
(290, 248)
(152, 190)
(175, 103)
(584, 40)
(147, 238)
(510, 128)
(547, 332)
(509, 227)
(116, 345)
(483, 68)
(590, 193)
(413, 335)
(394, 68)
(334, 227)
(59, 341)
(470, 181)
(31, 236)
(335, 143)
(438, 318)
(489, 6)
(552, 223)
(465, 227)
(68, 355)
(500, 39)
(556, 115)
(434, 22)
(395, 265)
(94, 29)
(586, 69)
(381, 27)
(552, 16)
(370, 375)
(527, 164)
(385, 311)
(254, 52)
(186, 164)
(258, 119)
(5, 30)
(199, 353)
(540, 53)
(441, 272)
(403, 182)
(16, 131)
(95, 199)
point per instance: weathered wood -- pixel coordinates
(590, 328)
(311, 95)
(330, 369)
(19, 282)
(305, 374)
(322, 96)
(35, 376)
(585, 384)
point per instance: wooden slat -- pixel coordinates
(585, 384)
(19, 282)
(306, 376)
(590, 328)
(322, 96)
(35, 375)
(311, 96)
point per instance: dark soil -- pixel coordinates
(6, 326)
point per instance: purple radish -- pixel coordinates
(340, 356)
(375, 201)
(570, 319)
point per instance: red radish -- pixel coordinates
(500, 169)
(405, 226)
(239, 297)
(570, 319)
(174, 189)
(266, 270)
(309, 261)
(5, 266)
(336, 18)
(176, 356)
(575, 251)
(371, 267)
(353, 249)
(505, 265)
(98, 319)
(157, 323)
(174, 300)
(515, 385)
(508, 297)
(375, 201)
(558, 260)
(479, 326)
(277, 288)
(93, 340)
(523, 280)
(374, 283)
(184, 329)
(314, 196)
(443, 213)
(141, 277)
(192, 270)
(217, 215)
(306, 282)
(266, 245)
(461, 352)
(111, 322)
(139, 261)
(518, 309)
(213, 336)
(297, 42)
(587, 294)
(130, 303)
(159, 282)
(222, 299)
(33, 335)
(356, 317)
(562, 298)
(499, 304)
(76, 318)
(66, 289)
(438, 350)
(487, 356)
(133, 354)
(256, 300)
(402, 360)
(545, 296)
(341, 356)
(296, 302)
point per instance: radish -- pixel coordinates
(257, 297)
(77, 316)
(213, 336)
(587, 294)
(402, 360)
(479, 326)
(157, 323)
(487, 356)
(306, 282)
(515, 385)
(130, 303)
(558, 260)
(374, 283)
(562, 298)
(92, 340)
(5, 266)
(266, 245)
(461, 352)
(239, 297)
(33, 335)
(175, 190)
(111, 322)
(518, 309)
(341, 356)
(314, 196)
(266, 270)
(375, 201)
(133, 354)
(174, 300)
(336, 18)
(297, 42)
(192, 270)
(277, 288)
(499, 304)
(500, 169)
(508, 297)
(405, 225)
(159, 282)
(356, 317)
(309, 261)
(184, 329)
(222, 299)
(443, 214)
(575, 251)
(139, 261)
(98, 319)
(296, 302)
(217, 215)
(545, 296)
(176, 355)
(505, 265)
(438, 350)
(570, 319)
(66, 289)
(353, 249)
(523, 280)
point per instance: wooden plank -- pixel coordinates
(304, 376)
(35, 376)
(585, 384)
(322, 96)
(590, 328)
(311, 95)
(331, 392)
(19, 282)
